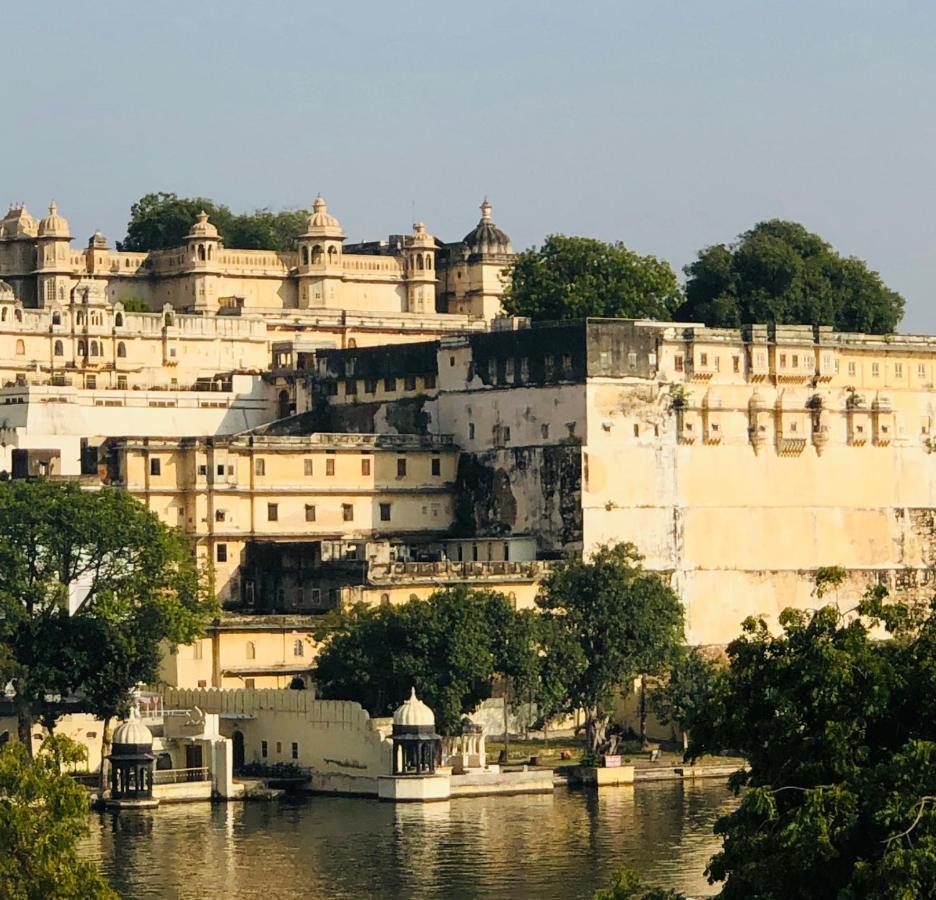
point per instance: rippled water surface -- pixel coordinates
(547, 847)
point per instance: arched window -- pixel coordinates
(298, 649)
(201, 252)
(20, 348)
(121, 349)
(118, 320)
(428, 260)
(94, 350)
(19, 315)
(79, 319)
(283, 404)
(251, 650)
(384, 599)
(209, 251)
(56, 318)
(58, 349)
(419, 261)
(352, 343)
(82, 350)
(305, 256)
(316, 255)
(332, 253)
(3, 315)
(167, 320)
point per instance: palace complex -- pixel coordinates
(358, 423)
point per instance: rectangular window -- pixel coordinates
(471, 431)
(409, 383)
(197, 650)
(678, 362)
(91, 382)
(898, 370)
(544, 430)
(430, 382)
(851, 368)
(310, 512)
(347, 512)
(921, 370)
(631, 360)
(220, 471)
(509, 369)
(401, 468)
(249, 684)
(330, 466)
(351, 387)
(121, 382)
(279, 747)
(548, 365)
(203, 470)
(492, 369)
(221, 553)
(783, 360)
(389, 385)
(263, 749)
(370, 385)
(295, 750)
(703, 359)
(436, 466)
(259, 467)
(155, 467)
(566, 363)
(308, 467)
(384, 512)
(365, 465)
(735, 363)
(795, 361)
(875, 370)
(272, 512)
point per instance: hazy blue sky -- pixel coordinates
(666, 125)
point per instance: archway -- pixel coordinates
(238, 739)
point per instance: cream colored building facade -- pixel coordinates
(737, 461)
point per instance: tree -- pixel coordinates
(840, 737)
(576, 277)
(687, 690)
(778, 272)
(450, 647)
(43, 813)
(136, 580)
(621, 620)
(626, 884)
(162, 220)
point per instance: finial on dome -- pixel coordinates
(319, 204)
(202, 216)
(53, 208)
(412, 695)
(486, 209)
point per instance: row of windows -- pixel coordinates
(250, 649)
(92, 348)
(389, 385)
(502, 371)
(265, 747)
(805, 362)
(309, 466)
(347, 513)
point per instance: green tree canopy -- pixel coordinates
(688, 687)
(576, 277)
(840, 736)
(43, 814)
(134, 581)
(626, 884)
(778, 272)
(616, 621)
(450, 647)
(162, 220)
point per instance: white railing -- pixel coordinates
(180, 776)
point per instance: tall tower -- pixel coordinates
(53, 281)
(202, 247)
(475, 276)
(320, 264)
(419, 253)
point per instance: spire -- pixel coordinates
(486, 209)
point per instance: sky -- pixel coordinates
(667, 125)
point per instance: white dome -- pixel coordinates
(202, 227)
(414, 712)
(321, 223)
(133, 731)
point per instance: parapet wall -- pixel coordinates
(328, 737)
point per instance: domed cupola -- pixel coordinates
(54, 225)
(321, 224)
(413, 712)
(203, 228)
(416, 746)
(486, 239)
(131, 759)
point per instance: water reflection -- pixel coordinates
(548, 847)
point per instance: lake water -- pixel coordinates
(543, 847)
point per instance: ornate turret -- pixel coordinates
(54, 225)
(321, 224)
(18, 223)
(415, 743)
(486, 239)
(320, 266)
(419, 251)
(202, 228)
(131, 761)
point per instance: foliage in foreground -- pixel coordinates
(626, 884)
(43, 814)
(161, 220)
(576, 277)
(611, 622)
(450, 647)
(778, 272)
(840, 735)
